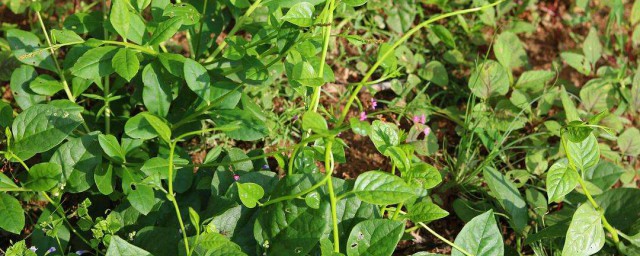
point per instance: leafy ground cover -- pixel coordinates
(312, 127)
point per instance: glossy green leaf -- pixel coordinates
(300, 14)
(11, 214)
(585, 235)
(423, 175)
(384, 135)
(426, 212)
(313, 200)
(584, 154)
(45, 85)
(120, 17)
(604, 174)
(103, 177)
(250, 193)
(445, 35)
(315, 122)
(197, 79)
(65, 37)
(141, 198)
(111, 147)
(40, 128)
(480, 236)
(381, 188)
(165, 30)
(125, 63)
(212, 244)
(189, 14)
(26, 47)
(561, 179)
(489, 79)
(156, 93)
(43, 176)
(6, 114)
(374, 237)
(507, 194)
(120, 247)
(95, 63)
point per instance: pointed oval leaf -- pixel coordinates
(585, 235)
(125, 63)
(300, 14)
(480, 236)
(43, 176)
(11, 214)
(197, 79)
(249, 193)
(381, 188)
(378, 237)
(561, 179)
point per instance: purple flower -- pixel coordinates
(33, 248)
(416, 119)
(295, 118)
(363, 116)
(82, 252)
(236, 177)
(265, 167)
(374, 103)
(52, 249)
(426, 131)
(423, 119)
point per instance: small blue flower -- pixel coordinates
(82, 252)
(265, 167)
(52, 249)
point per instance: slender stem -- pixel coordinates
(397, 211)
(132, 46)
(301, 193)
(65, 85)
(328, 166)
(444, 239)
(107, 89)
(204, 12)
(172, 198)
(315, 100)
(404, 38)
(605, 223)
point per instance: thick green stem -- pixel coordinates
(65, 85)
(326, 32)
(404, 38)
(328, 166)
(172, 197)
(107, 89)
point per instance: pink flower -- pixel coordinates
(363, 116)
(426, 131)
(423, 119)
(416, 119)
(374, 103)
(236, 177)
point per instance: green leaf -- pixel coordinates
(304, 73)
(435, 72)
(141, 198)
(125, 63)
(250, 193)
(147, 126)
(95, 63)
(509, 50)
(604, 174)
(165, 30)
(423, 175)
(534, 80)
(20, 81)
(384, 135)
(6, 114)
(585, 235)
(480, 236)
(79, 158)
(250, 128)
(577, 131)
(561, 179)
(315, 122)
(120, 247)
(212, 244)
(569, 108)
(629, 142)
(577, 61)
(197, 79)
(313, 200)
(354, 3)
(65, 37)
(120, 17)
(173, 63)
(489, 79)
(635, 13)
(11, 214)
(300, 14)
(185, 11)
(45, 85)
(194, 217)
(40, 128)
(592, 48)
(236, 48)
(381, 188)
(111, 147)
(104, 179)
(375, 237)
(388, 62)
(25, 46)
(426, 212)
(43, 176)
(509, 198)
(156, 93)
(584, 154)
(445, 35)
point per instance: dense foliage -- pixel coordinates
(237, 127)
